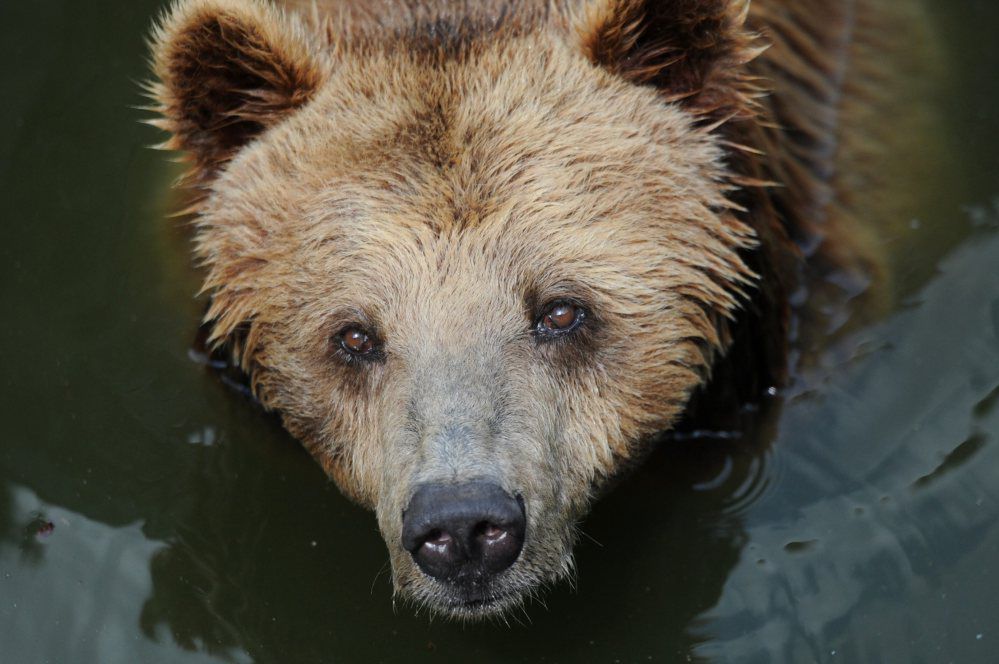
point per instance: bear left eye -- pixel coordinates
(560, 318)
(357, 341)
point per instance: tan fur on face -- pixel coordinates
(436, 175)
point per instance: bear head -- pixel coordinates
(474, 258)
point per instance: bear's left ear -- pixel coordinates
(225, 71)
(694, 51)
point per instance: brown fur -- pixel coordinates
(438, 171)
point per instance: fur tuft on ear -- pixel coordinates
(225, 70)
(694, 51)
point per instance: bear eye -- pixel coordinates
(560, 318)
(357, 341)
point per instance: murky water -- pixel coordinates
(148, 514)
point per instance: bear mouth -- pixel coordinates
(471, 601)
(493, 604)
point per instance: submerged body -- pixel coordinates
(477, 254)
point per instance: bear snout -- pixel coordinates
(463, 533)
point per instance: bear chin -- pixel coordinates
(470, 601)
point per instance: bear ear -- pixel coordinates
(694, 51)
(225, 70)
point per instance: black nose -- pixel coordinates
(459, 531)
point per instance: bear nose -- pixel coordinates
(460, 531)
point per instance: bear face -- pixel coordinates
(474, 265)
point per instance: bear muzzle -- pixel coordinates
(464, 534)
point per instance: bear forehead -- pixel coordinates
(522, 132)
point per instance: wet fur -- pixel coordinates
(438, 170)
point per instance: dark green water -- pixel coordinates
(148, 514)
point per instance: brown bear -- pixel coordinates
(478, 254)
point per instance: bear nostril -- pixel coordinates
(438, 540)
(498, 547)
(437, 553)
(490, 533)
(445, 531)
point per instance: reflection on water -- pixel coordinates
(73, 595)
(886, 506)
(149, 514)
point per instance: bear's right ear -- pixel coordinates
(225, 71)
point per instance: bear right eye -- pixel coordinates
(560, 318)
(357, 342)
